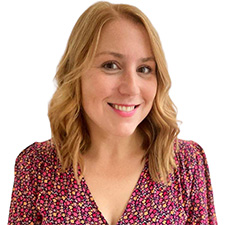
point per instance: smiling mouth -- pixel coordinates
(124, 108)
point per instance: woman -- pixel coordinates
(114, 156)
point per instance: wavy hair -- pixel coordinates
(70, 133)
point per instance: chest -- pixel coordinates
(111, 194)
(111, 200)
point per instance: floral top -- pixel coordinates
(44, 195)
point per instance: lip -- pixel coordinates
(126, 105)
(123, 113)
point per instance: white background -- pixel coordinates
(33, 38)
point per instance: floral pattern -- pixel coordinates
(44, 195)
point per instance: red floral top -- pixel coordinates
(43, 195)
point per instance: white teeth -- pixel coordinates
(123, 108)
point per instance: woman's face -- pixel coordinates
(119, 88)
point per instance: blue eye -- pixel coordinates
(110, 66)
(144, 69)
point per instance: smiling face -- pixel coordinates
(119, 88)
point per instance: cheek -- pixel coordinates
(95, 91)
(154, 91)
(150, 90)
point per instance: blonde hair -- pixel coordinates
(70, 133)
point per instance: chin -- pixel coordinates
(124, 131)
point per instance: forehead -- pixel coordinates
(124, 36)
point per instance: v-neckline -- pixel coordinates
(94, 204)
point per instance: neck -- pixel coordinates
(110, 149)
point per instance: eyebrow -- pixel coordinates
(121, 56)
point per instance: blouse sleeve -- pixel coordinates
(201, 204)
(23, 202)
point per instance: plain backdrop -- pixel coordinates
(34, 36)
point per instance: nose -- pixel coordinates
(129, 83)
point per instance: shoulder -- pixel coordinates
(189, 153)
(37, 155)
(192, 168)
(191, 163)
